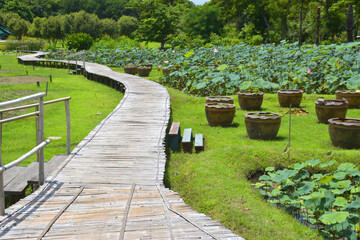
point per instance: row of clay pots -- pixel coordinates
(344, 132)
(252, 100)
(143, 69)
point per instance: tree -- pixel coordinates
(19, 7)
(83, 22)
(109, 27)
(36, 28)
(53, 29)
(127, 25)
(350, 21)
(157, 20)
(203, 20)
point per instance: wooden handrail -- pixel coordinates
(34, 105)
(24, 157)
(20, 100)
(20, 117)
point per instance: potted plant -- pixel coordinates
(345, 132)
(250, 99)
(131, 69)
(220, 99)
(352, 96)
(333, 108)
(144, 71)
(220, 114)
(287, 97)
(262, 125)
(147, 65)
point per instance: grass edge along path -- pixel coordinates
(90, 103)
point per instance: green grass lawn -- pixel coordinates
(216, 181)
(90, 103)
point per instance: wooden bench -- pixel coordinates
(174, 136)
(187, 138)
(199, 143)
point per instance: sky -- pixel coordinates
(199, 2)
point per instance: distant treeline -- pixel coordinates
(182, 23)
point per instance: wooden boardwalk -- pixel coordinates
(111, 185)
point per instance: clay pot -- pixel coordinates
(220, 99)
(131, 69)
(326, 109)
(351, 96)
(144, 71)
(262, 125)
(345, 132)
(220, 114)
(147, 65)
(287, 97)
(166, 71)
(250, 100)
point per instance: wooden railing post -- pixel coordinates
(2, 195)
(41, 138)
(68, 128)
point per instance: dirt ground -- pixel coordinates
(21, 80)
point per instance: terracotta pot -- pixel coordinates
(351, 96)
(262, 125)
(147, 65)
(220, 99)
(220, 114)
(287, 97)
(250, 100)
(144, 71)
(345, 132)
(166, 71)
(131, 69)
(326, 109)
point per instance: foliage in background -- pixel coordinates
(79, 41)
(225, 70)
(112, 44)
(127, 25)
(328, 201)
(32, 44)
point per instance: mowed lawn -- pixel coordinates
(90, 103)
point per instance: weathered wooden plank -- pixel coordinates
(199, 142)
(187, 140)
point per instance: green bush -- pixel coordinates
(106, 42)
(182, 41)
(256, 40)
(127, 25)
(32, 45)
(79, 41)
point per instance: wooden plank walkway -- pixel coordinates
(111, 186)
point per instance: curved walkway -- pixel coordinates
(111, 185)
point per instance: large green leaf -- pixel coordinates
(353, 82)
(329, 218)
(340, 202)
(353, 205)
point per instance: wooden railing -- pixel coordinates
(39, 113)
(22, 49)
(75, 56)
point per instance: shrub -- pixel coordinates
(182, 41)
(79, 41)
(107, 42)
(33, 44)
(127, 25)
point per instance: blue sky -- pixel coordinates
(199, 2)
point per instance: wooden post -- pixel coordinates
(68, 128)
(41, 136)
(2, 195)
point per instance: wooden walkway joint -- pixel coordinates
(111, 185)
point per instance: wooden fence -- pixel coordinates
(39, 114)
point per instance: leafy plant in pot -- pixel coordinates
(332, 108)
(220, 114)
(262, 125)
